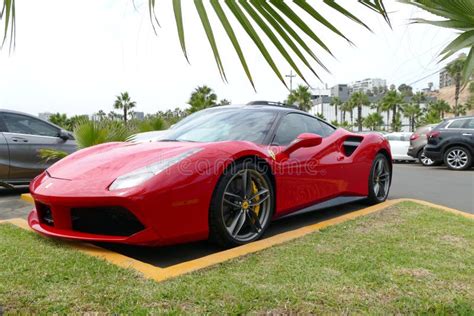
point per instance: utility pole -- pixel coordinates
(291, 76)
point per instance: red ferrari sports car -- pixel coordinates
(223, 173)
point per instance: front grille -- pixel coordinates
(44, 214)
(111, 221)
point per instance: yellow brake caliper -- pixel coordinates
(256, 209)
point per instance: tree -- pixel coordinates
(225, 102)
(124, 103)
(348, 106)
(359, 99)
(392, 101)
(440, 107)
(201, 98)
(101, 115)
(405, 90)
(373, 121)
(455, 69)
(336, 102)
(413, 112)
(301, 96)
(61, 120)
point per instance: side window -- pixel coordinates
(294, 124)
(469, 124)
(457, 124)
(326, 129)
(16, 123)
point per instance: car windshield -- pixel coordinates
(223, 125)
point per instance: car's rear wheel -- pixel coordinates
(379, 180)
(425, 161)
(242, 205)
(457, 158)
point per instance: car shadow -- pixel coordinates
(163, 257)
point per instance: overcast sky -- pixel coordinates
(75, 56)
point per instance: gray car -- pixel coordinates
(418, 141)
(21, 138)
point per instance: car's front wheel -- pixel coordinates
(242, 205)
(379, 179)
(457, 158)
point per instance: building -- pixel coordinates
(45, 115)
(139, 115)
(367, 84)
(445, 79)
(341, 91)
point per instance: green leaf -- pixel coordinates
(292, 32)
(346, 13)
(282, 33)
(153, 18)
(264, 27)
(460, 25)
(311, 11)
(239, 15)
(289, 13)
(468, 67)
(210, 35)
(466, 39)
(230, 33)
(179, 24)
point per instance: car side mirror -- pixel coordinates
(303, 140)
(64, 135)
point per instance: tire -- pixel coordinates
(237, 217)
(457, 158)
(381, 177)
(425, 161)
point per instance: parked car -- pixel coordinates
(21, 137)
(453, 142)
(418, 141)
(222, 173)
(399, 143)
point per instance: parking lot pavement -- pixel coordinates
(438, 185)
(11, 206)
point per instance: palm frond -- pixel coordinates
(48, 154)
(457, 15)
(8, 14)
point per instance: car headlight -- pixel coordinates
(141, 175)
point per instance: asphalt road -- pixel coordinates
(438, 185)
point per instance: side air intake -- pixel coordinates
(350, 144)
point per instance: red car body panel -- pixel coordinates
(173, 206)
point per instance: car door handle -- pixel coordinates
(19, 140)
(466, 134)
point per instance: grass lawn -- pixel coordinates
(406, 259)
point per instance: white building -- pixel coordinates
(45, 115)
(367, 84)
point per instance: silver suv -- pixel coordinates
(21, 137)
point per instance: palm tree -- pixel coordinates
(440, 107)
(392, 101)
(359, 99)
(61, 120)
(413, 112)
(124, 103)
(301, 96)
(101, 114)
(201, 98)
(455, 70)
(373, 121)
(336, 102)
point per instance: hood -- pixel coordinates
(108, 161)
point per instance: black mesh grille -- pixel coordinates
(44, 214)
(112, 221)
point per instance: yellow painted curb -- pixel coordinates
(94, 251)
(27, 198)
(161, 274)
